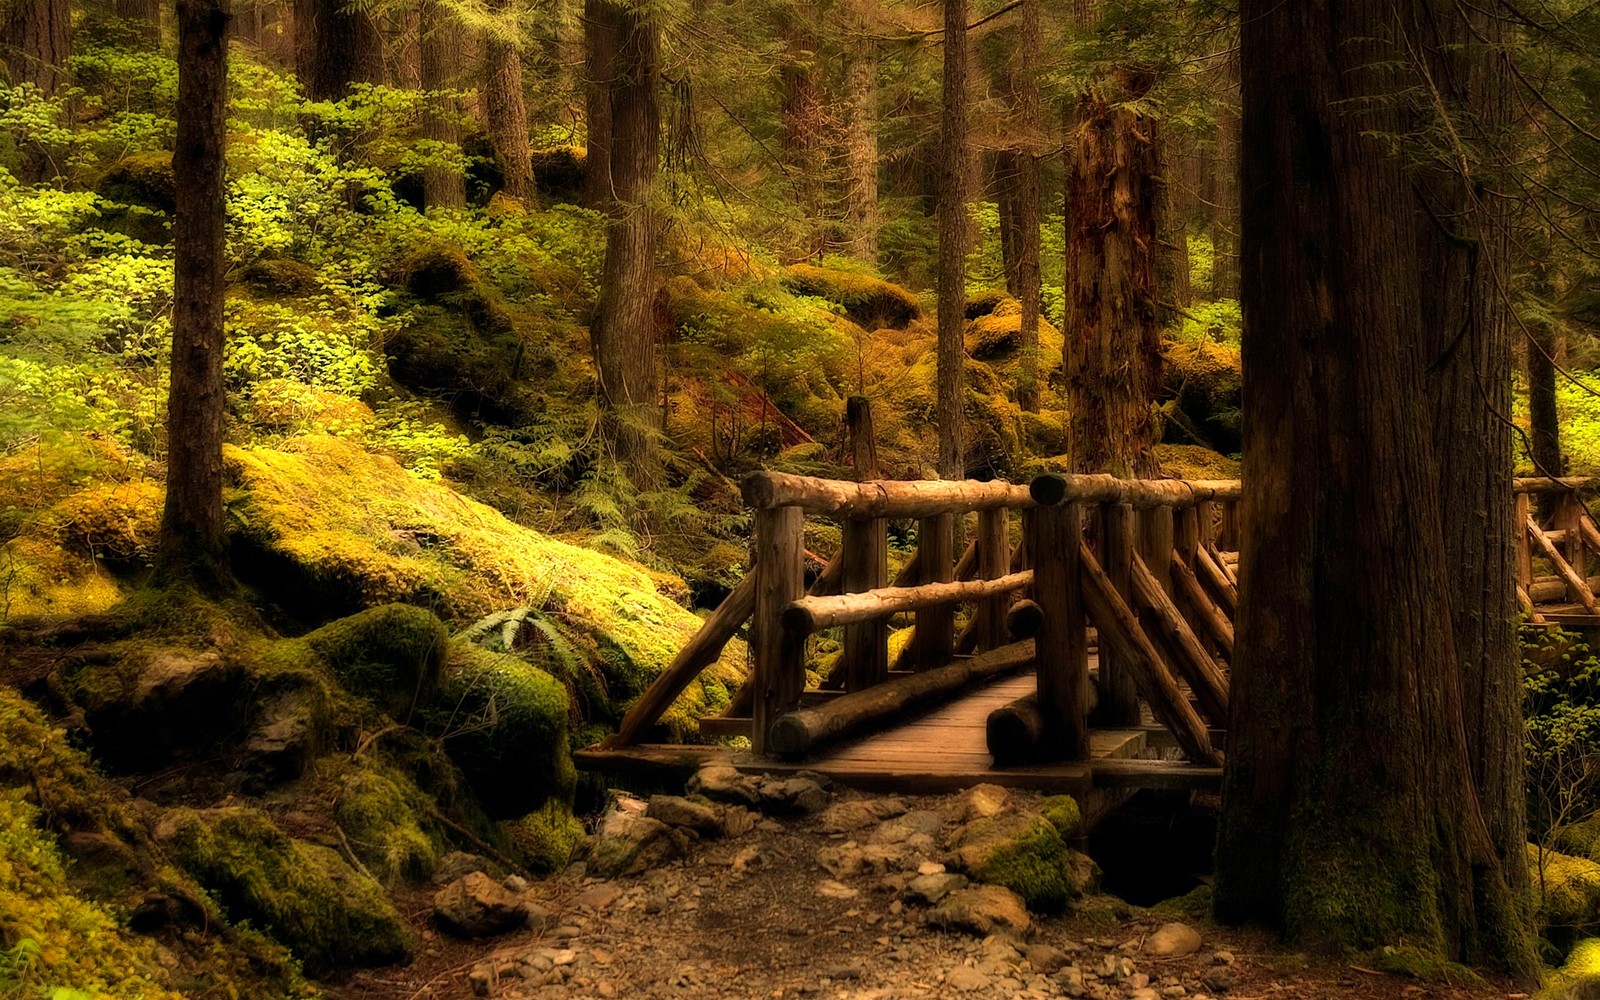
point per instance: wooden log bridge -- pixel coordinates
(1079, 642)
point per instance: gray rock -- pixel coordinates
(918, 827)
(1070, 979)
(981, 802)
(722, 783)
(1046, 958)
(981, 910)
(792, 796)
(966, 979)
(675, 810)
(476, 905)
(632, 844)
(1174, 940)
(854, 814)
(1220, 979)
(289, 731)
(928, 890)
(457, 864)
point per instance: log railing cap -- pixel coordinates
(841, 499)
(1544, 484)
(1054, 488)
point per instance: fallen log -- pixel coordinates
(801, 730)
(1054, 488)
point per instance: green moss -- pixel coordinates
(1063, 813)
(305, 895)
(545, 839)
(1188, 461)
(336, 526)
(1192, 905)
(869, 301)
(41, 579)
(504, 723)
(1567, 891)
(1205, 379)
(1025, 854)
(385, 828)
(1430, 967)
(390, 654)
(1578, 977)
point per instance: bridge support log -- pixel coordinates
(1119, 694)
(1063, 647)
(994, 557)
(778, 654)
(801, 730)
(935, 628)
(1171, 630)
(1203, 613)
(1120, 630)
(1016, 732)
(865, 547)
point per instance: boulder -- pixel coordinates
(1024, 853)
(291, 728)
(869, 301)
(155, 705)
(980, 802)
(475, 905)
(674, 810)
(457, 864)
(853, 814)
(1203, 383)
(390, 655)
(927, 890)
(634, 846)
(981, 910)
(1174, 940)
(722, 783)
(791, 796)
(1579, 977)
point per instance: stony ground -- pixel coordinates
(849, 902)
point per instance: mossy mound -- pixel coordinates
(1421, 964)
(45, 580)
(558, 172)
(504, 722)
(328, 526)
(284, 406)
(305, 895)
(1063, 813)
(1579, 977)
(281, 277)
(1190, 461)
(1567, 891)
(995, 337)
(141, 179)
(985, 302)
(994, 421)
(36, 478)
(1024, 853)
(871, 302)
(1580, 839)
(544, 840)
(390, 655)
(1204, 381)
(116, 522)
(381, 818)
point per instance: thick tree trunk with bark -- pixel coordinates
(623, 330)
(143, 16)
(600, 53)
(861, 142)
(36, 39)
(191, 545)
(1351, 817)
(505, 111)
(805, 125)
(1544, 418)
(439, 46)
(336, 44)
(1464, 242)
(1112, 350)
(952, 357)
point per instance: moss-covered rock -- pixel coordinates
(385, 827)
(327, 526)
(1579, 977)
(558, 172)
(871, 302)
(45, 580)
(1190, 461)
(1024, 853)
(141, 196)
(281, 277)
(504, 723)
(546, 839)
(1567, 891)
(305, 895)
(1063, 813)
(390, 654)
(1204, 380)
(116, 523)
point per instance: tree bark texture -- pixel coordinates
(191, 543)
(36, 40)
(952, 208)
(1351, 814)
(600, 53)
(439, 46)
(805, 124)
(143, 16)
(1112, 348)
(505, 111)
(861, 142)
(1021, 165)
(1544, 416)
(623, 330)
(336, 44)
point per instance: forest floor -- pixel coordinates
(758, 916)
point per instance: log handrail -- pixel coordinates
(1054, 488)
(1545, 484)
(812, 614)
(841, 500)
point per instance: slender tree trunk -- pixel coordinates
(1542, 411)
(1112, 349)
(861, 142)
(805, 125)
(505, 111)
(143, 16)
(953, 227)
(407, 27)
(1027, 212)
(600, 53)
(191, 545)
(1351, 817)
(1225, 196)
(623, 330)
(439, 62)
(36, 39)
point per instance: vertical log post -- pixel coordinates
(994, 560)
(1155, 543)
(1569, 518)
(1062, 644)
(1524, 546)
(778, 667)
(866, 567)
(1119, 692)
(935, 634)
(1228, 532)
(1206, 512)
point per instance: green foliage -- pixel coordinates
(1562, 734)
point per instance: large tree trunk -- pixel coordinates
(1543, 415)
(861, 141)
(337, 43)
(143, 16)
(600, 53)
(1021, 165)
(805, 125)
(505, 110)
(36, 39)
(1351, 817)
(1112, 350)
(1464, 241)
(191, 542)
(439, 57)
(952, 356)
(623, 330)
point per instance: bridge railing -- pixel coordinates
(1554, 526)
